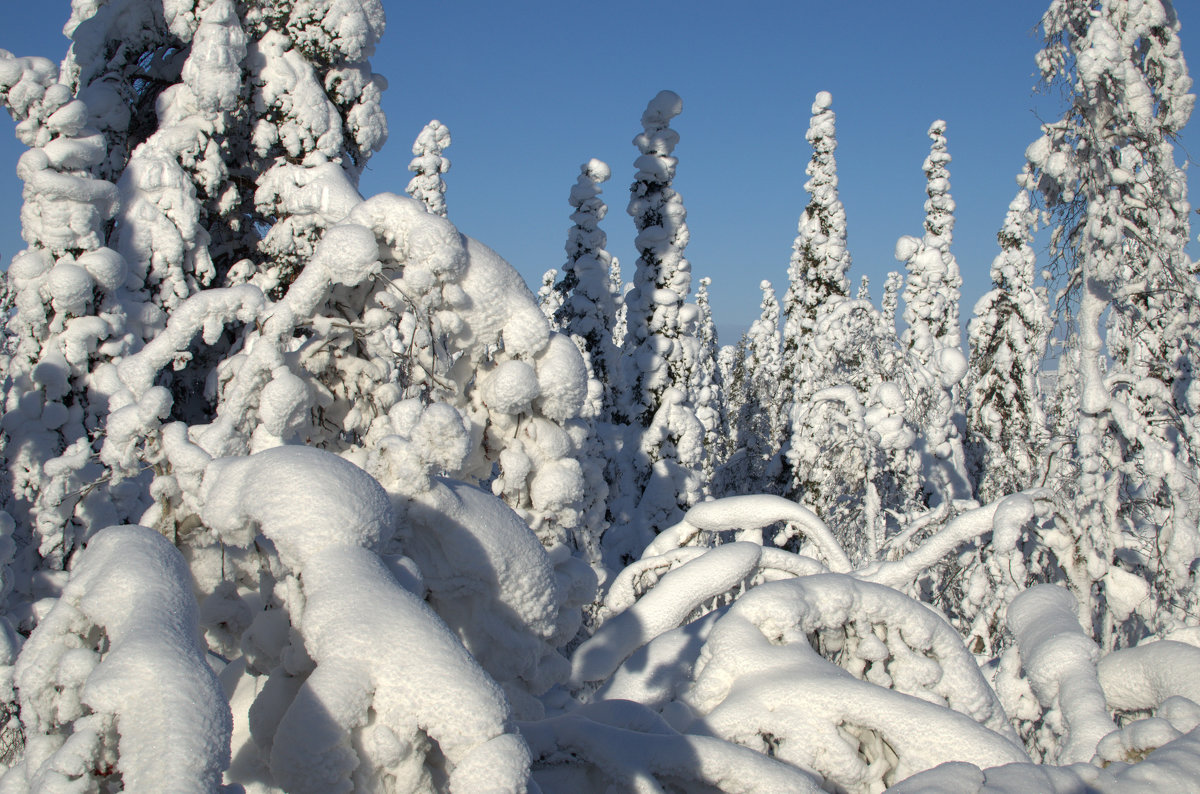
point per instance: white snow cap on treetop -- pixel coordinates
(597, 170)
(823, 101)
(664, 107)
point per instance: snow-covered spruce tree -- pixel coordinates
(759, 419)
(1006, 424)
(582, 305)
(72, 313)
(662, 452)
(933, 338)
(706, 388)
(820, 259)
(891, 298)
(1107, 172)
(549, 298)
(588, 309)
(428, 165)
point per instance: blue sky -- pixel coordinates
(530, 90)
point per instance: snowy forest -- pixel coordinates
(306, 491)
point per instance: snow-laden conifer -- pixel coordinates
(662, 276)
(706, 388)
(246, 299)
(588, 309)
(427, 185)
(931, 290)
(74, 313)
(662, 453)
(1006, 424)
(933, 338)
(891, 298)
(820, 259)
(759, 419)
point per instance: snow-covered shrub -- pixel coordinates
(114, 687)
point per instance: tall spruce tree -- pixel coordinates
(1006, 424)
(660, 464)
(588, 308)
(933, 338)
(820, 259)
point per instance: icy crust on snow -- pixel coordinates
(619, 745)
(115, 681)
(390, 676)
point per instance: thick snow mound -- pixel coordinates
(303, 499)
(489, 578)
(119, 651)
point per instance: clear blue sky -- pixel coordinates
(532, 90)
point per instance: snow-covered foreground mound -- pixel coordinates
(730, 667)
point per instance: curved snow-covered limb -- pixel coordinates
(958, 777)
(779, 564)
(413, 237)
(1142, 677)
(118, 654)
(621, 745)
(669, 604)
(897, 641)
(640, 575)
(386, 664)
(389, 672)
(789, 701)
(303, 500)
(1006, 515)
(1059, 660)
(655, 674)
(206, 312)
(751, 512)
(657, 669)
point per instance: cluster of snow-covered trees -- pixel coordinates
(305, 491)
